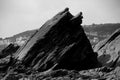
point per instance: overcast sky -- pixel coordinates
(20, 15)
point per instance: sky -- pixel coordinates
(21, 15)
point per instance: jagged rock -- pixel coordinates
(59, 44)
(6, 56)
(109, 50)
(10, 49)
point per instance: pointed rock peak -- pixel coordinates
(66, 9)
(77, 19)
(62, 14)
(78, 16)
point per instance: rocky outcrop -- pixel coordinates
(60, 50)
(59, 44)
(9, 50)
(6, 56)
(109, 50)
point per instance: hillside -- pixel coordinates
(98, 32)
(102, 29)
(23, 34)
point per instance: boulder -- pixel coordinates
(109, 50)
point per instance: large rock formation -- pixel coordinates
(59, 44)
(109, 50)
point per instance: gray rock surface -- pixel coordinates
(109, 50)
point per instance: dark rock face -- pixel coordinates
(109, 50)
(6, 56)
(59, 43)
(10, 49)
